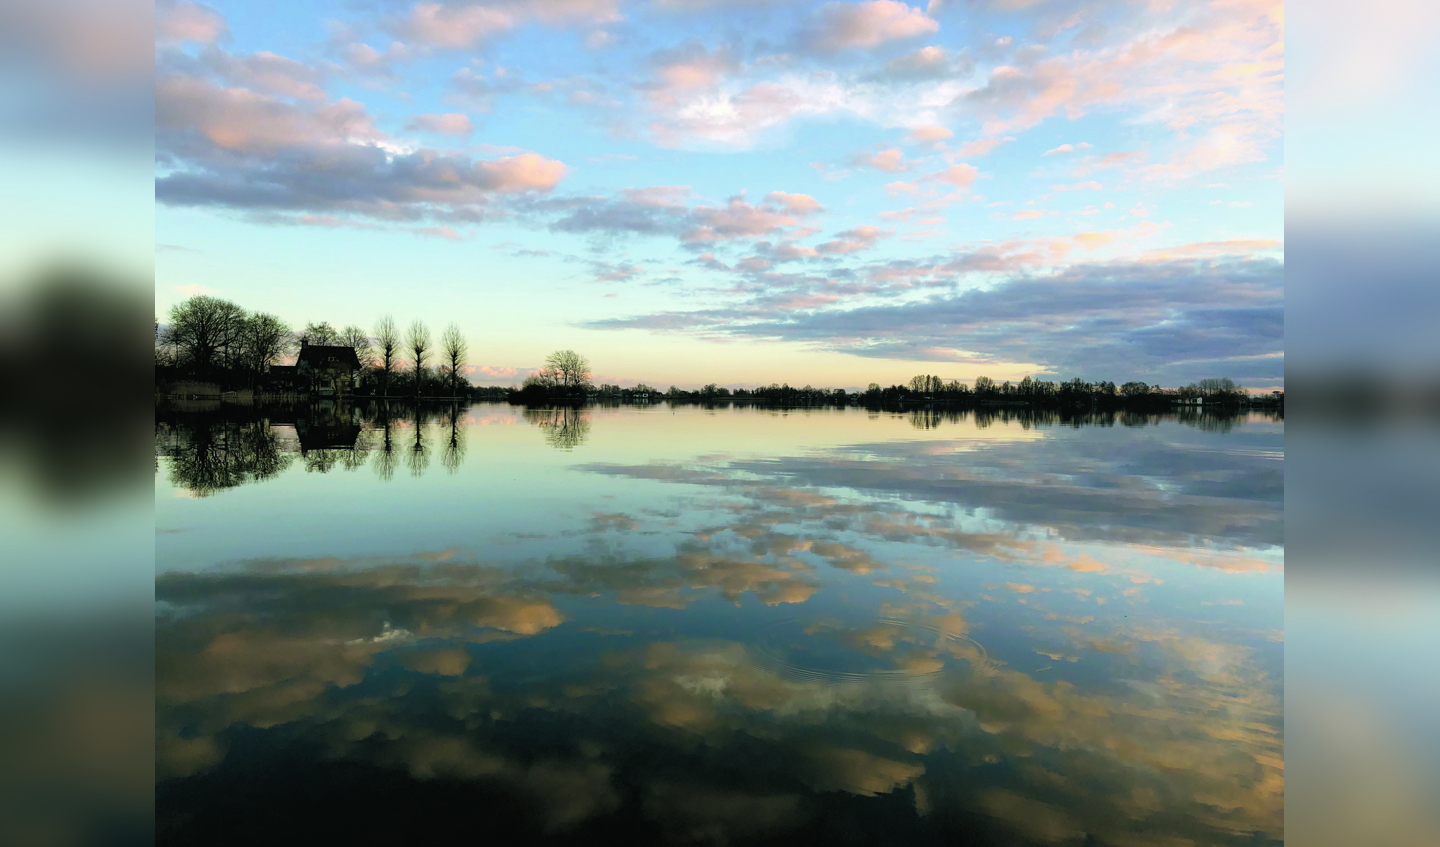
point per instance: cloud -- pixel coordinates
(890, 161)
(615, 272)
(186, 22)
(930, 134)
(737, 219)
(458, 26)
(454, 27)
(1066, 148)
(451, 123)
(364, 59)
(688, 68)
(790, 252)
(478, 92)
(927, 63)
(960, 176)
(845, 26)
(263, 72)
(1214, 76)
(236, 148)
(981, 146)
(852, 240)
(799, 204)
(661, 210)
(1173, 321)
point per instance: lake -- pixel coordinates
(718, 626)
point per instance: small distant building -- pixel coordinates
(327, 370)
(282, 379)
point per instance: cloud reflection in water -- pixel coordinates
(877, 641)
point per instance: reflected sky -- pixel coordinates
(720, 626)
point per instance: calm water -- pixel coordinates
(718, 626)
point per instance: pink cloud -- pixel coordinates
(526, 172)
(184, 21)
(458, 26)
(788, 252)
(929, 134)
(246, 121)
(981, 147)
(690, 68)
(455, 27)
(890, 161)
(444, 232)
(960, 176)
(799, 204)
(659, 196)
(737, 219)
(450, 123)
(853, 240)
(1066, 148)
(266, 72)
(1208, 249)
(842, 26)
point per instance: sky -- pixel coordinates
(694, 191)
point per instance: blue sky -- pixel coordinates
(692, 191)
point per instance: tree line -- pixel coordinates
(214, 340)
(209, 339)
(927, 389)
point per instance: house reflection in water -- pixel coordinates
(327, 427)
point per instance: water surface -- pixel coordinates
(718, 626)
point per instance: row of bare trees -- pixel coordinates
(389, 347)
(210, 338)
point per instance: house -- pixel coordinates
(327, 370)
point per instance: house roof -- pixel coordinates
(316, 355)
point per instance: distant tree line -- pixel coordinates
(930, 390)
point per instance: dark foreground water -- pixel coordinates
(722, 626)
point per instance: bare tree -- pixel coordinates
(454, 349)
(322, 333)
(387, 345)
(203, 330)
(572, 370)
(418, 339)
(1217, 386)
(264, 339)
(355, 337)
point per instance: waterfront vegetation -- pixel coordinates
(213, 342)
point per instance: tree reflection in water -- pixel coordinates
(385, 451)
(209, 454)
(452, 456)
(565, 428)
(1027, 417)
(418, 457)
